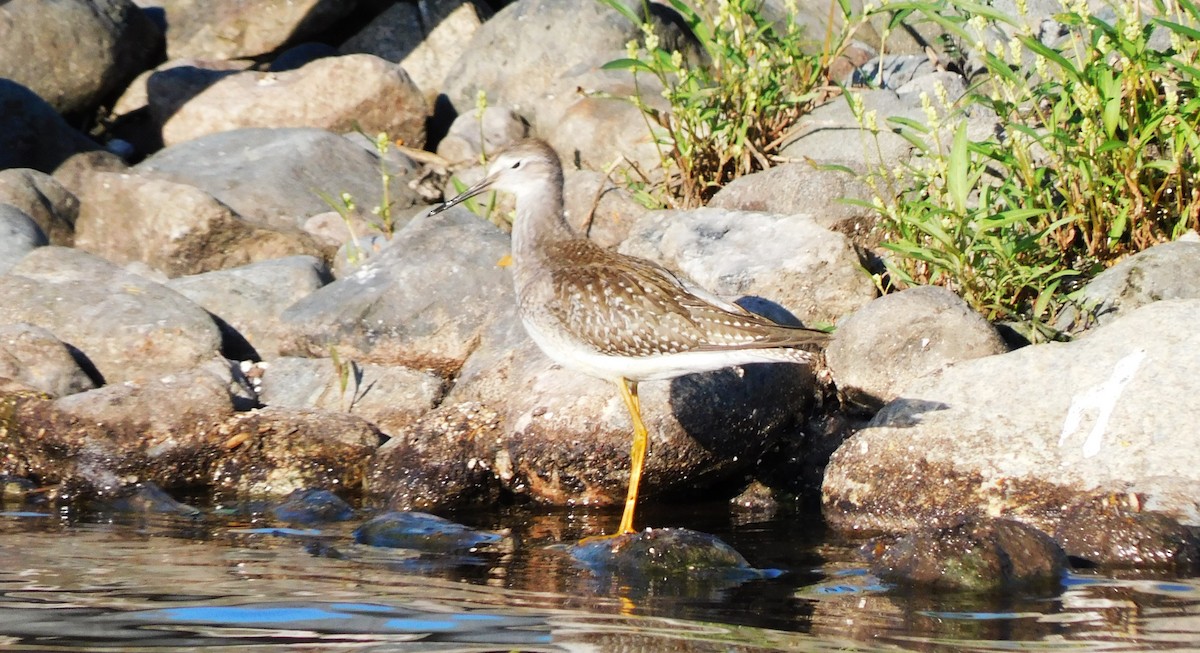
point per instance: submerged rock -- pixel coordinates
(423, 532)
(312, 506)
(974, 555)
(664, 552)
(146, 498)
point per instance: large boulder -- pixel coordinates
(784, 259)
(174, 228)
(128, 327)
(425, 37)
(276, 177)
(75, 54)
(231, 29)
(1024, 434)
(339, 94)
(32, 133)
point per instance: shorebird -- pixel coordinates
(614, 316)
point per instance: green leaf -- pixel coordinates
(956, 183)
(624, 10)
(627, 64)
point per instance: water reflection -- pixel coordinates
(71, 582)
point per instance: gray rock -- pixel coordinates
(231, 29)
(885, 345)
(598, 208)
(51, 206)
(177, 229)
(1024, 433)
(74, 54)
(421, 302)
(473, 134)
(335, 93)
(592, 124)
(19, 235)
(33, 356)
(197, 398)
(809, 271)
(523, 50)
(275, 176)
(129, 328)
(248, 300)
(299, 56)
(276, 451)
(425, 37)
(1166, 271)
(832, 134)
(802, 188)
(32, 134)
(390, 396)
(163, 91)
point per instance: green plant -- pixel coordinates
(731, 111)
(1092, 157)
(382, 219)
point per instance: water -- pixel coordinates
(103, 582)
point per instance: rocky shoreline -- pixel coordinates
(179, 306)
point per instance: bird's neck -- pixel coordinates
(540, 222)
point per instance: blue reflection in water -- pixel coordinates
(241, 614)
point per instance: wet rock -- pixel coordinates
(676, 553)
(975, 555)
(312, 506)
(440, 461)
(275, 176)
(421, 302)
(126, 326)
(803, 188)
(85, 50)
(424, 37)
(883, 346)
(808, 270)
(390, 396)
(146, 498)
(180, 229)
(1161, 272)
(422, 532)
(231, 29)
(92, 443)
(280, 450)
(19, 235)
(1111, 530)
(51, 206)
(338, 94)
(35, 357)
(249, 299)
(32, 134)
(1025, 433)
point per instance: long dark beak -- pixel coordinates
(481, 186)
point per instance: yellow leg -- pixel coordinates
(641, 440)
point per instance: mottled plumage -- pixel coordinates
(614, 316)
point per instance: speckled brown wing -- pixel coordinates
(632, 307)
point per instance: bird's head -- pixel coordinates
(525, 169)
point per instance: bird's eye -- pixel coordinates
(516, 165)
